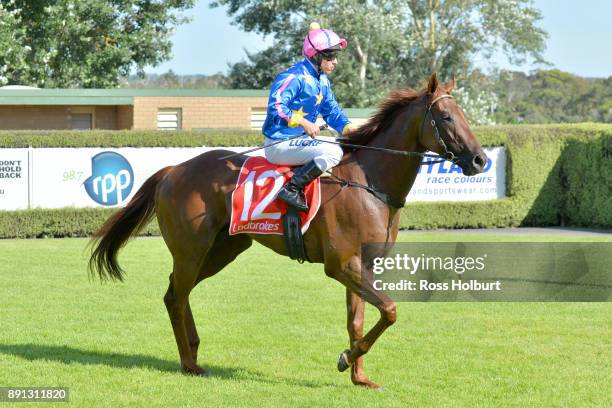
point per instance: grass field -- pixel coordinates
(271, 331)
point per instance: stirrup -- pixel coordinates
(292, 195)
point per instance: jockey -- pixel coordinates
(297, 97)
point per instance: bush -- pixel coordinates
(556, 175)
(57, 223)
(130, 138)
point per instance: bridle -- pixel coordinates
(384, 197)
(448, 155)
(438, 158)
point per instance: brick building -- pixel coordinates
(32, 108)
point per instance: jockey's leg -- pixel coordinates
(315, 157)
(293, 192)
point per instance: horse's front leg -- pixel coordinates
(355, 307)
(350, 275)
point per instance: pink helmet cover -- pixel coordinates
(320, 40)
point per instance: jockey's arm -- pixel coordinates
(333, 114)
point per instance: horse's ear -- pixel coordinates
(450, 85)
(433, 83)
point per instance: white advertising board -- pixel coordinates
(14, 167)
(446, 182)
(93, 177)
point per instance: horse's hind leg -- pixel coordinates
(192, 333)
(182, 281)
(223, 251)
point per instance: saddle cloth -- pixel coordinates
(255, 209)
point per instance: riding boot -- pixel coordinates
(293, 192)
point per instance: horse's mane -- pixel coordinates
(382, 119)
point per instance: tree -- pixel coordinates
(552, 96)
(449, 33)
(369, 26)
(12, 53)
(84, 43)
(173, 80)
(261, 69)
(169, 80)
(396, 43)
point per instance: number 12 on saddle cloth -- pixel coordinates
(254, 208)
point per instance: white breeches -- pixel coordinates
(296, 152)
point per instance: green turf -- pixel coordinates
(271, 330)
(451, 236)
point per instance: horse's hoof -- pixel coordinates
(343, 363)
(366, 383)
(195, 371)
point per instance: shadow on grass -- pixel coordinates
(70, 355)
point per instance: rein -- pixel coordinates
(447, 156)
(382, 196)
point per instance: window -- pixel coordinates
(258, 117)
(82, 121)
(169, 119)
(82, 117)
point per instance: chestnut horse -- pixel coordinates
(192, 202)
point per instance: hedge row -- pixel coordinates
(57, 223)
(130, 138)
(556, 175)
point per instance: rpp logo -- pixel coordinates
(111, 180)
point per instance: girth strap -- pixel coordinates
(382, 196)
(386, 198)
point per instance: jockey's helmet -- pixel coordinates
(322, 43)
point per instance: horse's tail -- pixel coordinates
(115, 232)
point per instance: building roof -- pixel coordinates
(97, 97)
(109, 96)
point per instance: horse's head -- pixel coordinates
(445, 130)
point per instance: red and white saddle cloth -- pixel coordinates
(254, 208)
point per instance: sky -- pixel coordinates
(580, 40)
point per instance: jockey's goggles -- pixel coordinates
(329, 55)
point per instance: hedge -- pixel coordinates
(556, 175)
(57, 223)
(130, 138)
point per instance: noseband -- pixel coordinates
(448, 155)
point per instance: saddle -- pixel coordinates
(256, 211)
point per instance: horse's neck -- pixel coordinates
(389, 173)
